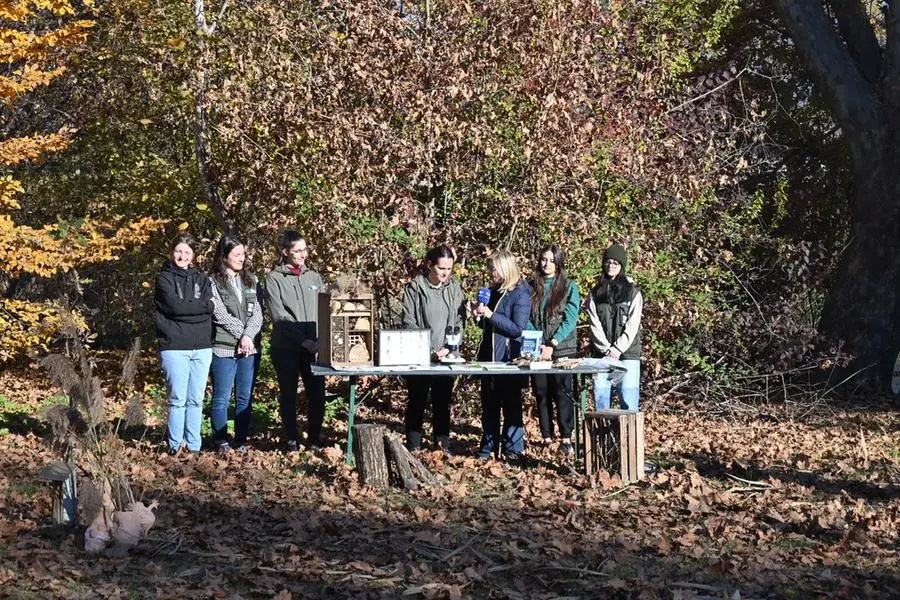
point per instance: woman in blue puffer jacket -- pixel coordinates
(503, 318)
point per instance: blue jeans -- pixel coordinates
(502, 394)
(186, 372)
(237, 373)
(629, 388)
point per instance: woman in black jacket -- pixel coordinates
(183, 316)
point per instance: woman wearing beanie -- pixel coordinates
(184, 308)
(433, 300)
(614, 314)
(237, 320)
(555, 303)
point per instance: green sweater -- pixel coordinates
(293, 302)
(561, 326)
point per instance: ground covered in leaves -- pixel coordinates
(762, 502)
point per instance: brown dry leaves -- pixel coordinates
(748, 509)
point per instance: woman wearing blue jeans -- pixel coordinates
(614, 314)
(237, 321)
(183, 318)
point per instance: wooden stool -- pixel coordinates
(614, 440)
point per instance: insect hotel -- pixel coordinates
(346, 328)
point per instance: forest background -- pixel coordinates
(742, 150)
(688, 131)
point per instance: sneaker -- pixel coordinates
(242, 449)
(566, 448)
(547, 441)
(223, 447)
(514, 458)
(484, 456)
(443, 443)
(290, 446)
(413, 441)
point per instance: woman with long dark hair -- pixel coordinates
(555, 304)
(503, 319)
(614, 313)
(183, 316)
(292, 295)
(237, 320)
(433, 300)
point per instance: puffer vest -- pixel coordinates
(613, 317)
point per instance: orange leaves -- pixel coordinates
(31, 148)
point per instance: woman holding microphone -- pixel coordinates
(503, 318)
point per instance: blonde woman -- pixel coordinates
(503, 318)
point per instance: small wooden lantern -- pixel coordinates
(346, 329)
(65, 502)
(614, 440)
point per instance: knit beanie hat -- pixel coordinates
(617, 253)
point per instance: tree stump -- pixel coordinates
(370, 456)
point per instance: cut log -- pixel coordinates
(400, 457)
(370, 455)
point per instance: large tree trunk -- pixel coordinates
(861, 82)
(862, 309)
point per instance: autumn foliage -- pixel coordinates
(31, 59)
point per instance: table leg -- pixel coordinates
(351, 416)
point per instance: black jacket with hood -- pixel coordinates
(183, 309)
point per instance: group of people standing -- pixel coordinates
(549, 302)
(212, 322)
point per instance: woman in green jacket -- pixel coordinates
(555, 304)
(292, 295)
(433, 300)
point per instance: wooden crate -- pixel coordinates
(346, 329)
(614, 441)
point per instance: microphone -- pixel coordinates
(484, 296)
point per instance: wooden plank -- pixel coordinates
(588, 438)
(640, 445)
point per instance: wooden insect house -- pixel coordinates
(346, 328)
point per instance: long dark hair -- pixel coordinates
(559, 289)
(286, 239)
(612, 290)
(226, 244)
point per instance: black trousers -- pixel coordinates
(555, 389)
(291, 365)
(441, 389)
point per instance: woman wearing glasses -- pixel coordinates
(614, 314)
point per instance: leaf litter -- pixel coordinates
(741, 508)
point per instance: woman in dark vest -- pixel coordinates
(614, 314)
(555, 304)
(237, 321)
(433, 300)
(503, 319)
(183, 318)
(292, 296)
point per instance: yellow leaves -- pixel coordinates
(9, 187)
(21, 10)
(29, 326)
(17, 150)
(54, 248)
(16, 45)
(25, 80)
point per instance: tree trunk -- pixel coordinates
(862, 309)
(400, 457)
(370, 455)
